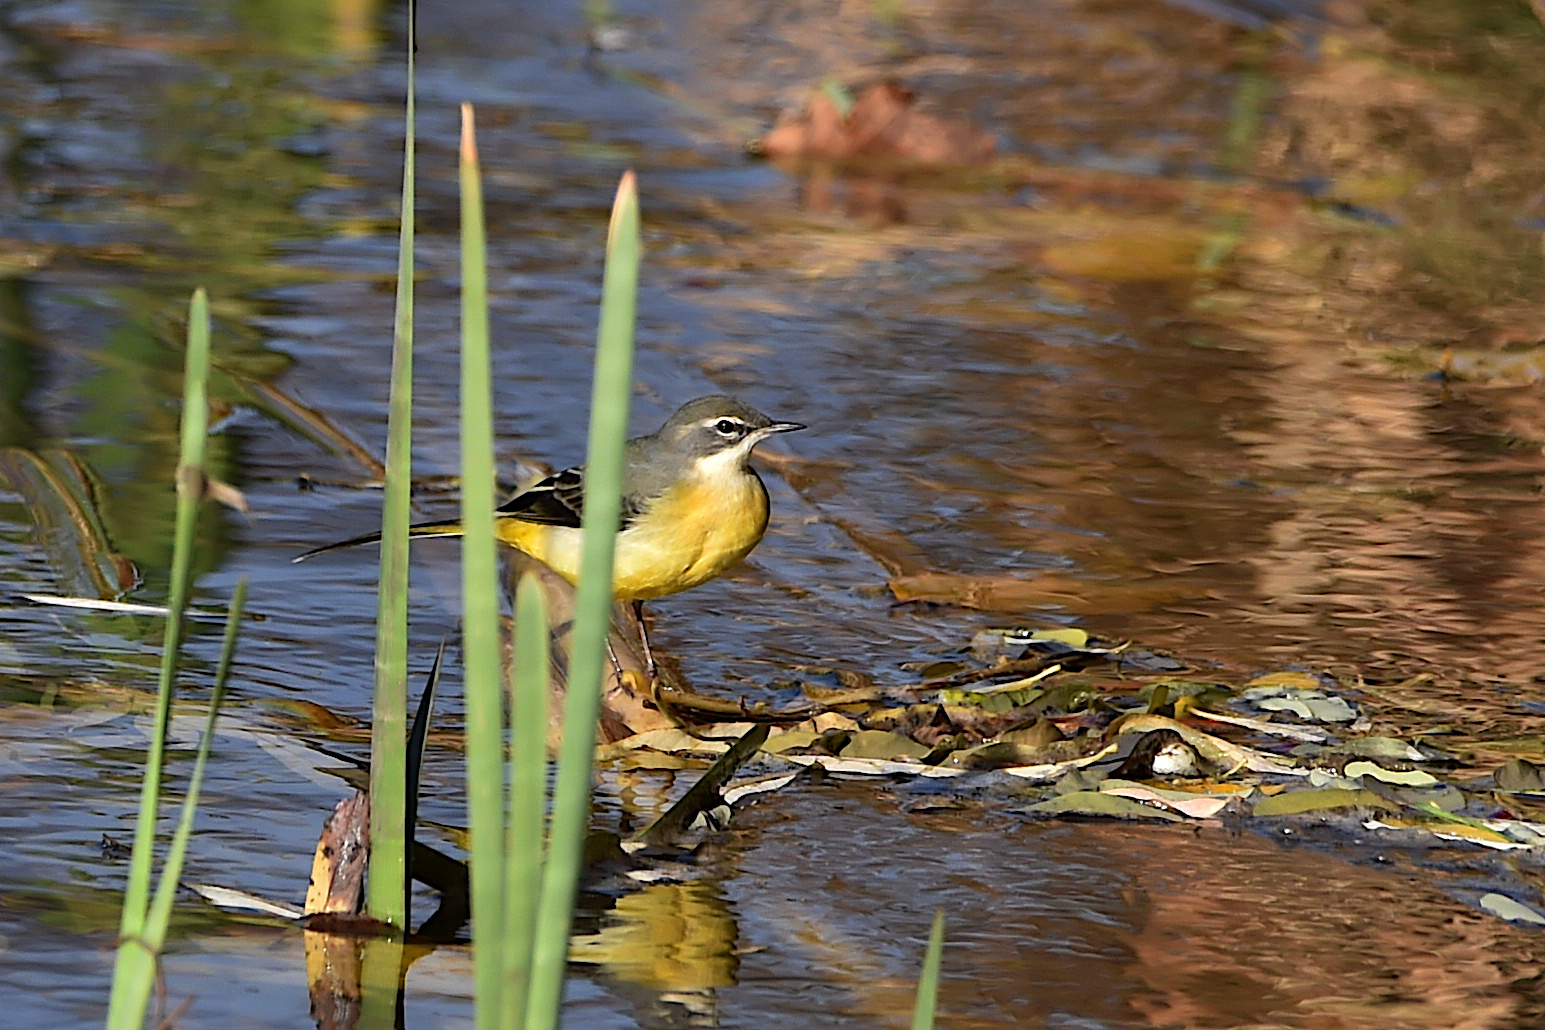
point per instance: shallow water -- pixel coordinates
(1006, 376)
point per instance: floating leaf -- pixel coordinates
(1071, 636)
(997, 755)
(1411, 778)
(1081, 778)
(1504, 907)
(1093, 802)
(1520, 777)
(826, 722)
(1309, 705)
(1069, 697)
(1531, 834)
(671, 740)
(1327, 778)
(883, 744)
(1038, 734)
(1322, 799)
(1388, 748)
(789, 739)
(1197, 806)
(1478, 835)
(990, 701)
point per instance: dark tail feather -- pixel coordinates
(422, 529)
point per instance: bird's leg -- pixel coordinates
(643, 635)
(611, 652)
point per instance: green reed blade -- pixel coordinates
(528, 793)
(480, 599)
(928, 983)
(582, 704)
(134, 969)
(171, 869)
(387, 884)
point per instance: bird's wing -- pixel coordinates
(559, 500)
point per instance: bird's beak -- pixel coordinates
(782, 427)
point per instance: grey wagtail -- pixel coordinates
(692, 506)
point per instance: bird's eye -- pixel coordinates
(726, 427)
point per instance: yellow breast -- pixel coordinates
(693, 532)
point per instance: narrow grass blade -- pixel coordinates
(171, 870)
(387, 886)
(134, 969)
(528, 794)
(418, 736)
(603, 507)
(928, 983)
(480, 599)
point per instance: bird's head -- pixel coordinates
(719, 427)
